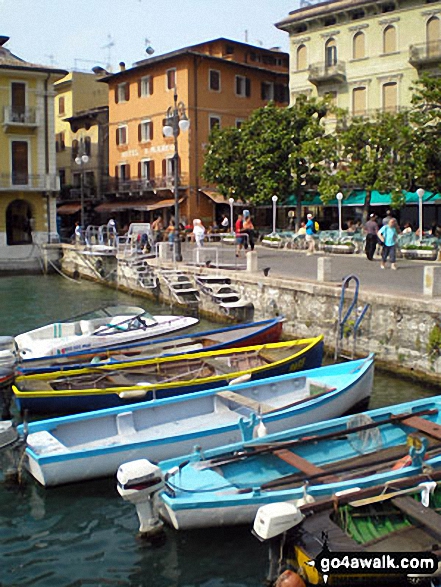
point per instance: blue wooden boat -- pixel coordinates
(94, 444)
(226, 486)
(232, 336)
(103, 386)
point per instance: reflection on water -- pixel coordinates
(84, 534)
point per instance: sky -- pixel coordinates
(78, 34)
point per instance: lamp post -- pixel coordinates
(82, 159)
(274, 199)
(420, 193)
(176, 120)
(231, 202)
(339, 199)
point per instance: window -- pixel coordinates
(390, 97)
(239, 122)
(87, 146)
(89, 179)
(20, 173)
(243, 86)
(61, 105)
(62, 176)
(122, 172)
(359, 101)
(145, 86)
(433, 36)
(76, 179)
(214, 122)
(301, 58)
(330, 21)
(281, 93)
(229, 50)
(214, 80)
(330, 53)
(75, 147)
(358, 46)
(267, 91)
(18, 101)
(122, 93)
(171, 79)
(389, 40)
(145, 131)
(121, 135)
(146, 170)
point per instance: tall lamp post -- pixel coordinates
(420, 193)
(231, 202)
(274, 199)
(339, 199)
(82, 159)
(175, 121)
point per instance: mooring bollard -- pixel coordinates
(432, 281)
(251, 258)
(163, 251)
(324, 269)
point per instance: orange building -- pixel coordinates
(220, 83)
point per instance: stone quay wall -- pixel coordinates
(404, 333)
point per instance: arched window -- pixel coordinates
(19, 223)
(359, 101)
(301, 58)
(390, 97)
(358, 46)
(433, 36)
(330, 53)
(389, 39)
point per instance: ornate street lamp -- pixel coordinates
(274, 199)
(175, 121)
(420, 193)
(339, 199)
(231, 201)
(82, 159)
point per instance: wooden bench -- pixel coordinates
(422, 425)
(304, 465)
(258, 407)
(427, 517)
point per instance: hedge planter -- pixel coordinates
(229, 239)
(421, 254)
(339, 249)
(272, 241)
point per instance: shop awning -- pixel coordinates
(215, 196)
(357, 199)
(68, 209)
(138, 205)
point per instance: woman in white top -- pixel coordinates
(199, 232)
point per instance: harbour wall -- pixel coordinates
(404, 333)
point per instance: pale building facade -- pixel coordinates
(366, 54)
(28, 179)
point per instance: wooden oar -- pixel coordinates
(384, 496)
(259, 448)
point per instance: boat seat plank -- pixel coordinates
(258, 407)
(425, 426)
(304, 465)
(415, 510)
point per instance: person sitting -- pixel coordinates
(407, 228)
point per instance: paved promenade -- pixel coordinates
(406, 281)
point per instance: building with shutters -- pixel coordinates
(366, 54)
(28, 179)
(81, 128)
(220, 83)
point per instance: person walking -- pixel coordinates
(310, 231)
(238, 229)
(388, 235)
(198, 232)
(248, 228)
(371, 230)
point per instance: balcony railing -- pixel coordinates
(19, 117)
(323, 73)
(425, 53)
(26, 182)
(114, 185)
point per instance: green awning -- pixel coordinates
(357, 198)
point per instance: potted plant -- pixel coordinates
(425, 252)
(272, 240)
(335, 246)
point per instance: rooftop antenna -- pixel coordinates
(108, 46)
(148, 47)
(246, 36)
(51, 59)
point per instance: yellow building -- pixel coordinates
(218, 83)
(28, 180)
(366, 54)
(81, 117)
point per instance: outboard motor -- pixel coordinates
(8, 362)
(138, 482)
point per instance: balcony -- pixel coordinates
(16, 118)
(25, 182)
(126, 186)
(425, 54)
(320, 73)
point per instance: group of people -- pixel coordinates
(244, 231)
(386, 236)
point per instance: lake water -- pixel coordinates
(84, 534)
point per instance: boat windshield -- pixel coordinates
(111, 311)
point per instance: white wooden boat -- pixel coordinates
(94, 444)
(116, 325)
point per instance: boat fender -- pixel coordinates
(241, 379)
(290, 579)
(260, 430)
(133, 394)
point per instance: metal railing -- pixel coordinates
(425, 52)
(13, 115)
(24, 181)
(139, 185)
(322, 71)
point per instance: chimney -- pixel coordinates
(122, 66)
(3, 40)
